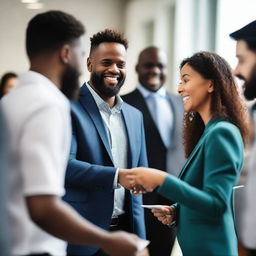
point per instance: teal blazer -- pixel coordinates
(203, 192)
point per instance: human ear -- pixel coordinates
(89, 64)
(210, 87)
(65, 53)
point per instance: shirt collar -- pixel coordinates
(145, 92)
(29, 77)
(35, 78)
(102, 105)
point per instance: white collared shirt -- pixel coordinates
(38, 118)
(164, 111)
(116, 132)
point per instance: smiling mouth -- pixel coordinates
(111, 79)
(185, 99)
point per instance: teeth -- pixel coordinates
(111, 78)
(185, 98)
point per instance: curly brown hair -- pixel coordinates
(226, 103)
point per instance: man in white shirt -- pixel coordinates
(37, 115)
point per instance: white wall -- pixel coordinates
(180, 27)
(147, 23)
(232, 15)
(95, 15)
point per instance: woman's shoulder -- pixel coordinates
(224, 126)
(224, 129)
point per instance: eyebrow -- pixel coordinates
(185, 75)
(109, 59)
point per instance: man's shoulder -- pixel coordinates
(34, 98)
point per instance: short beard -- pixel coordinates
(250, 86)
(98, 83)
(70, 83)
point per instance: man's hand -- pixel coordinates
(121, 243)
(166, 215)
(122, 178)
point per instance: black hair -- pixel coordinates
(107, 35)
(50, 30)
(248, 34)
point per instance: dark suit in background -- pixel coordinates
(151, 69)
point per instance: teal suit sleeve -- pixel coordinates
(223, 154)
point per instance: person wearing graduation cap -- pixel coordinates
(246, 70)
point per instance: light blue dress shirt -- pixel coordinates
(117, 136)
(161, 111)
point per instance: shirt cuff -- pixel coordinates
(116, 185)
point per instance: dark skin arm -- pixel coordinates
(59, 219)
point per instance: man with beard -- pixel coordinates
(108, 135)
(246, 70)
(37, 115)
(163, 114)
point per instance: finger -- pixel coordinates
(162, 210)
(165, 222)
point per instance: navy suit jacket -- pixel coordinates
(90, 172)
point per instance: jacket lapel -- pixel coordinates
(192, 155)
(88, 103)
(130, 129)
(197, 147)
(148, 119)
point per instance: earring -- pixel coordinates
(191, 116)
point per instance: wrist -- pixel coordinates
(104, 239)
(120, 175)
(162, 178)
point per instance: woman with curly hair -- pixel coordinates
(215, 131)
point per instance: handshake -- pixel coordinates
(141, 180)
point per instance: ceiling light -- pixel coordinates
(35, 6)
(29, 1)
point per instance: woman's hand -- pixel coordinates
(166, 214)
(145, 179)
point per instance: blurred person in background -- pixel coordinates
(246, 71)
(162, 114)
(8, 82)
(40, 135)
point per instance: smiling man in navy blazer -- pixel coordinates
(108, 135)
